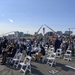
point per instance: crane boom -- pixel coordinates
(50, 29)
(39, 29)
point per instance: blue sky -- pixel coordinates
(29, 15)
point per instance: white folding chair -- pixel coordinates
(68, 55)
(46, 50)
(51, 59)
(17, 60)
(27, 65)
(43, 58)
(10, 59)
(59, 53)
(52, 49)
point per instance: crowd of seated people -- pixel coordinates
(9, 51)
(9, 47)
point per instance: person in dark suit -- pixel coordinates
(57, 44)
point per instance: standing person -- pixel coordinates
(57, 44)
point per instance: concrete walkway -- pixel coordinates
(39, 68)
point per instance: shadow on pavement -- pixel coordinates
(60, 67)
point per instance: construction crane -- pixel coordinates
(39, 29)
(36, 33)
(51, 29)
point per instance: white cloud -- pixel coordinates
(11, 20)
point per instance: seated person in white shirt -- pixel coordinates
(40, 53)
(36, 49)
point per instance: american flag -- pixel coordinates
(43, 30)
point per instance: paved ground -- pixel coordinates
(39, 68)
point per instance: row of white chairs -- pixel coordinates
(51, 56)
(17, 60)
(59, 53)
(51, 59)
